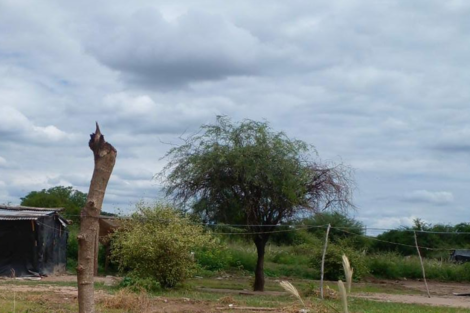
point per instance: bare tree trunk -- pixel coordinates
(105, 157)
(260, 242)
(97, 250)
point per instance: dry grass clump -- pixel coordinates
(292, 290)
(227, 300)
(348, 272)
(344, 296)
(129, 301)
(328, 293)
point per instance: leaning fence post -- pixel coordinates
(422, 265)
(323, 260)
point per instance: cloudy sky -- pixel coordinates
(380, 85)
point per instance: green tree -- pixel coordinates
(58, 197)
(345, 229)
(247, 173)
(156, 242)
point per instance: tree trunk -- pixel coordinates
(105, 157)
(260, 243)
(97, 251)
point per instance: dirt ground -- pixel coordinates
(442, 294)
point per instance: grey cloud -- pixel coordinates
(380, 86)
(453, 140)
(431, 197)
(3, 162)
(152, 51)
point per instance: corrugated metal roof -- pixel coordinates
(8, 213)
(21, 208)
(4, 218)
(462, 253)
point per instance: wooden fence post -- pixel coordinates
(422, 265)
(323, 260)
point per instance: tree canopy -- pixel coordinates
(249, 174)
(438, 236)
(58, 197)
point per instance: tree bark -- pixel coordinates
(105, 158)
(97, 249)
(260, 242)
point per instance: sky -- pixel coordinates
(381, 86)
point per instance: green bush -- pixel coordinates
(213, 258)
(136, 283)
(243, 259)
(72, 242)
(334, 262)
(156, 242)
(395, 266)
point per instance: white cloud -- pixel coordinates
(432, 197)
(13, 124)
(392, 222)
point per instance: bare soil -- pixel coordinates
(442, 294)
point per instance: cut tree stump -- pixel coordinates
(105, 158)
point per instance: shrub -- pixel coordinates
(156, 242)
(395, 266)
(334, 263)
(243, 258)
(137, 284)
(213, 258)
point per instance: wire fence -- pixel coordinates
(247, 229)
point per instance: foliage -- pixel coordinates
(334, 263)
(213, 258)
(136, 283)
(238, 173)
(434, 240)
(287, 236)
(395, 266)
(343, 227)
(156, 242)
(58, 197)
(246, 173)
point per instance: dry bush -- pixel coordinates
(227, 300)
(129, 301)
(328, 293)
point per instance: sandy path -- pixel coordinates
(456, 302)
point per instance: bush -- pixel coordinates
(156, 242)
(395, 266)
(137, 284)
(334, 263)
(213, 258)
(243, 258)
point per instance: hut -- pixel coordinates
(460, 256)
(33, 241)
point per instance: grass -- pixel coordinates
(393, 266)
(280, 261)
(296, 262)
